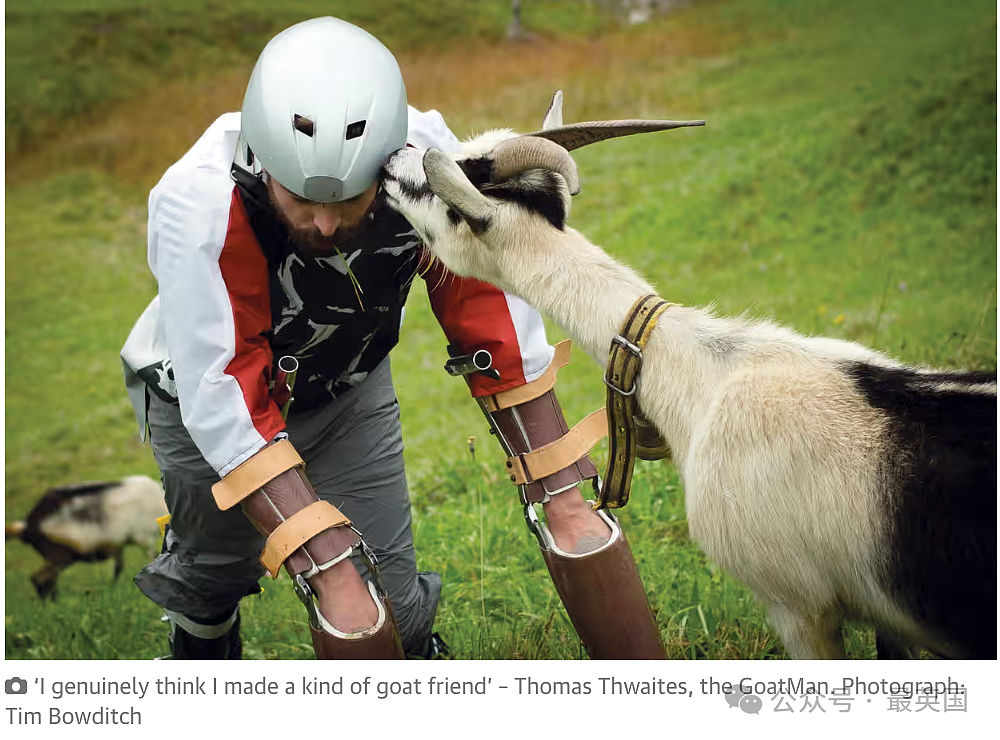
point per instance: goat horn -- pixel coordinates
(576, 135)
(553, 118)
(522, 153)
(449, 183)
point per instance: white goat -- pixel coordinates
(834, 481)
(89, 522)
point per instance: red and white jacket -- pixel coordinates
(232, 299)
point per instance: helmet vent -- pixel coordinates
(354, 130)
(303, 124)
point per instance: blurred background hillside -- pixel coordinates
(845, 185)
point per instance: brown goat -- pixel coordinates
(89, 522)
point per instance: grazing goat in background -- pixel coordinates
(89, 522)
(834, 481)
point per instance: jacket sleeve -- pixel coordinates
(476, 315)
(215, 310)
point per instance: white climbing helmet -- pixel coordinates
(324, 107)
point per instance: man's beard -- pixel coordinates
(309, 241)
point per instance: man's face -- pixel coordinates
(317, 229)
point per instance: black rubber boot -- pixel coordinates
(228, 646)
(433, 648)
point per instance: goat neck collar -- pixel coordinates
(621, 378)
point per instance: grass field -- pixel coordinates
(845, 185)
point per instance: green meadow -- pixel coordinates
(845, 185)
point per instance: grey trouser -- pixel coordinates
(353, 450)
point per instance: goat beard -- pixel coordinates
(309, 241)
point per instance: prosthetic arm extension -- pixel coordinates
(307, 536)
(600, 588)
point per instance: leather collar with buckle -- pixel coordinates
(621, 378)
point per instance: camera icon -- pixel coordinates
(15, 685)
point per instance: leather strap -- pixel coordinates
(297, 530)
(649, 444)
(621, 377)
(560, 454)
(534, 389)
(263, 467)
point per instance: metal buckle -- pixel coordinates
(535, 525)
(632, 350)
(618, 390)
(371, 562)
(366, 552)
(307, 596)
(627, 345)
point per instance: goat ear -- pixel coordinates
(553, 118)
(449, 183)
